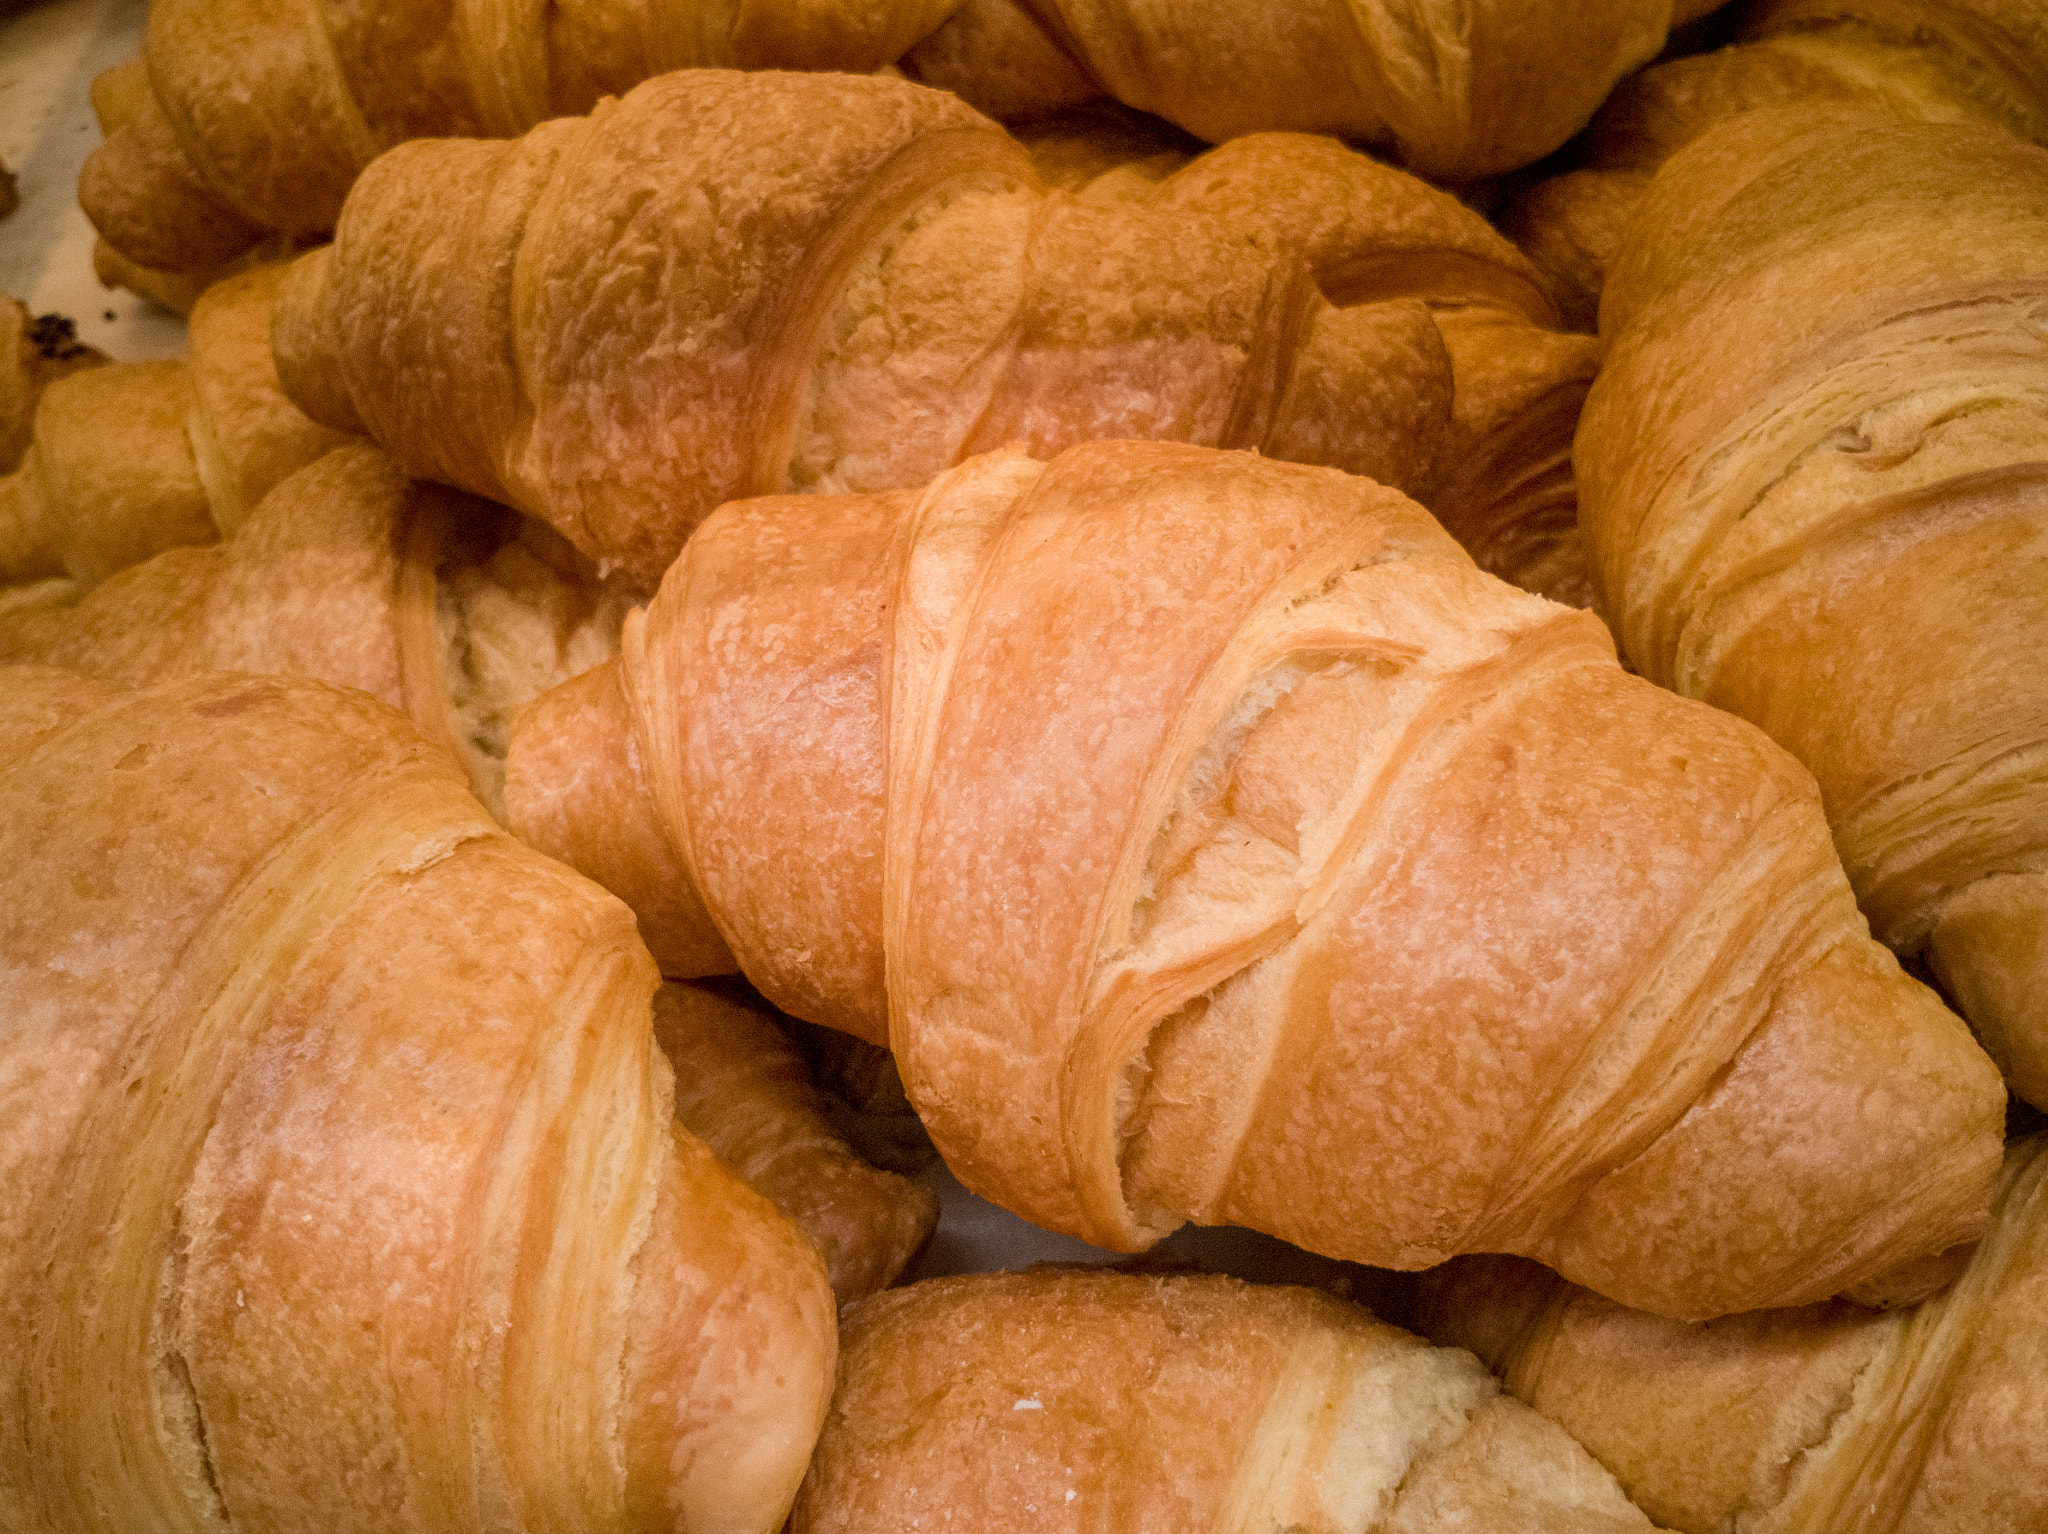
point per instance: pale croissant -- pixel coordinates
(727, 284)
(1974, 61)
(1072, 1399)
(339, 1187)
(1826, 1420)
(128, 460)
(1819, 503)
(1211, 841)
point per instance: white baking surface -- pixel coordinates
(48, 56)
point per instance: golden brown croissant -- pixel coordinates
(1827, 1420)
(1981, 61)
(1818, 503)
(1061, 1399)
(446, 607)
(1211, 841)
(339, 1188)
(144, 456)
(617, 323)
(743, 1089)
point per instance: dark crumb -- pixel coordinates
(109, 313)
(56, 337)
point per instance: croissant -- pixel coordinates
(139, 457)
(1979, 61)
(1824, 1420)
(445, 607)
(252, 120)
(617, 323)
(338, 1183)
(1080, 1399)
(245, 120)
(1833, 525)
(1211, 841)
(744, 1090)
(1457, 95)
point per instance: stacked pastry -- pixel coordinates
(1138, 831)
(1825, 1420)
(253, 120)
(1208, 837)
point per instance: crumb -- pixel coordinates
(110, 314)
(56, 337)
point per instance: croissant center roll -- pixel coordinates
(1211, 841)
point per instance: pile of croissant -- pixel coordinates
(734, 602)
